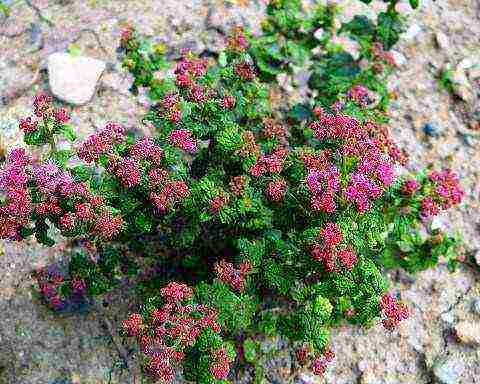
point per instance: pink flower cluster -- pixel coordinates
(126, 170)
(272, 129)
(237, 41)
(323, 185)
(27, 126)
(328, 251)
(51, 185)
(410, 186)
(245, 71)
(360, 95)
(171, 193)
(319, 364)
(146, 149)
(183, 139)
(43, 108)
(220, 365)
(42, 105)
(15, 212)
(101, 143)
(188, 69)
(336, 127)
(171, 107)
(272, 163)
(169, 330)
(370, 149)
(447, 188)
(228, 102)
(237, 185)
(394, 311)
(218, 202)
(276, 190)
(108, 226)
(174, 292)
(49, 280)
(234, 277)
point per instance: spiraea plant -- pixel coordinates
(254, 224)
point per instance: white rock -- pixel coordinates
(467, 63)
(399, 58)
(442, 41)
(73, 78)
(349, 45)
(448, 370)
(461, 85)
(468, 332)
(319, 33)
(448, 318)
(412, 32)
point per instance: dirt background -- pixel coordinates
(439, 343)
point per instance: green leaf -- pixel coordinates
(74, 50)
(62, 156)
(222, 59)
(250, 350)
(301, 112)
(68, 131)
(390, 27)
(82, 172)
(35, 138)
(143, 222)
(414, 3)
(5, 10)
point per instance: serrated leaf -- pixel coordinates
(222, 59)
(74, 50)
(68, 132)
(250, 350)
(414, 3)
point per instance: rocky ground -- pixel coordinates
(439, 343)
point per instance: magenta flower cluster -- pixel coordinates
(227, 273)
(394, 311)
(328, 249)
(169, 330)
(49, 280)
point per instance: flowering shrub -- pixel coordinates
(255, 224)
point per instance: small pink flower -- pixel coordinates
(27, 126)
(410, 186)
(62, 115)
(67, 221)
(183, 139)
(176, 292)
(331, 234)
(228, 102)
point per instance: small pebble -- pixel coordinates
(412, 32)
(432, 129)
(442, 41)
(468, 332)
(448, 370)
(476, 305)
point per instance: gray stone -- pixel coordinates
(442, 40)
(433, 129)
(412, 32)
(399, 58)
(448, 370)
(319, 33)
(448, 318)
(301, 77)
(468, 332)
(74, 78)
(461, 85)
(305, 378)
(476, 305)
(349, 45)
